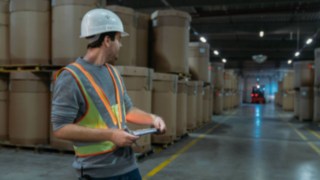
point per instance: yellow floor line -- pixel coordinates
(314, 133)
(313, 146)
(184, 149)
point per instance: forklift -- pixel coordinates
(257, 95)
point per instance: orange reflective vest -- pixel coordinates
(99, 112)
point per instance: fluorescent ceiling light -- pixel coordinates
(309, 41)
(224, 60)
(289, 61)
(216, 52)
(297, 54)
(261, 33)
(203, 39)
(260, 58)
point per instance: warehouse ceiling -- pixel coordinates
(232, 27)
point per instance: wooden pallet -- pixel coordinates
(178, 138)
(200, 125)
(191, 130)
(164, 139)
(29, 68)
(181, 76)
(142, 148)
(36, 148)
(161, 146)
(305, 120)
(145, 154)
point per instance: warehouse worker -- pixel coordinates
(90, 104)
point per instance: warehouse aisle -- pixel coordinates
(254, 142)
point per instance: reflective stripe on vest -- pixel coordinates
(117, 120)
(96, 112)
(113, 71)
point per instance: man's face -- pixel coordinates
(115, 48)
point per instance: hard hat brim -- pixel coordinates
(124, 34)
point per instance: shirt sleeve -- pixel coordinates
(67, 101)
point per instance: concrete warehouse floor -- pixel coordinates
(254, 142)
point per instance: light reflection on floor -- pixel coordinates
(257, 124)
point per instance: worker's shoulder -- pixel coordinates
(64, 77)
(64, 73)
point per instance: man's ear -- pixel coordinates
(107, 41)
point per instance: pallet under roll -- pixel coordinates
(29, 68)
(164, 104)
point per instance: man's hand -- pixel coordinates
(122, 138)
(159, 123)
(138, 116)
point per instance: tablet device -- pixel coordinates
(142, 132)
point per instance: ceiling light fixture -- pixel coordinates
(297, 54)
(259, 58)
(216, 52)
(224, 60)
(309, 41)
(261, 33)
(203, 39)
(289, 61)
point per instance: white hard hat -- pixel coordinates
(99, 21)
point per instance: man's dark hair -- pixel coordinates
(98, 42)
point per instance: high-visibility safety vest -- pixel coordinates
(99, 111)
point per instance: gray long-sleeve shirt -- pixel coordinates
(68, 105)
